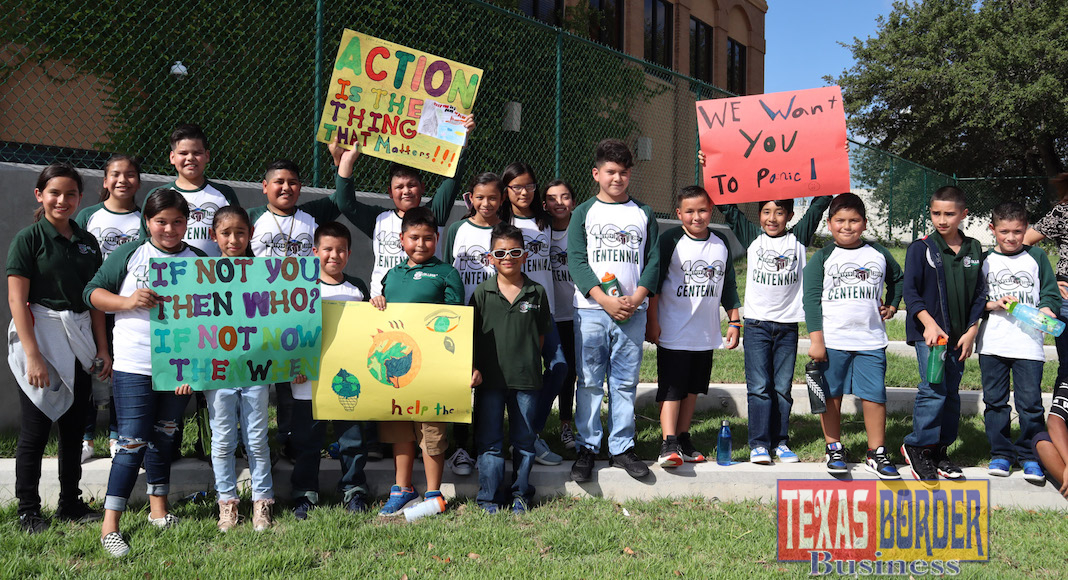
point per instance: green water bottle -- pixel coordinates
(936, 363)
(612, 288)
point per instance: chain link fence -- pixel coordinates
(81, 79)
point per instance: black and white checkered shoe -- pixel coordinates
(167, 521)
(115, 545)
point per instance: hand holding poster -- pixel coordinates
(382, 94)
(409, 362)
(774, 146)
(234, 322)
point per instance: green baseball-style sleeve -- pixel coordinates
(227, 192)
(665, 245)
(812, 296)
(746, 231)
(112, 272)
(327, 209)
(256, 213)
(895, 277)
(1049, 295)
(808, 224)
(82, 219)
(360, 285)
(577, 259)
(454, 288)
(445, 196)
(361, 215)
(450, 242)
(730, 298)
(651, 273)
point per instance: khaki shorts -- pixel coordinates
(430, 436)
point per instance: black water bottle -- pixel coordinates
(817, 387)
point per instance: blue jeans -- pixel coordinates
(609, 350)
(490, 405)
(1027, 387)
(936, 414)
(230, 409)
(1062, 347)
(770, 351)
(307, 441)
(552, 353)
(148, 421)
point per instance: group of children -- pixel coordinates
(563, 295)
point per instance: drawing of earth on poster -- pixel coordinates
(411, 362)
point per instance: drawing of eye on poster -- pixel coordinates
(444, 122)
(410, 362)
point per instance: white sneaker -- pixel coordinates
(760, 456)
(87, 451)
(461, 463)
(168, 521)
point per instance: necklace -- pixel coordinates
(292, 223)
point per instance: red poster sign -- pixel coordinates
(774, 146)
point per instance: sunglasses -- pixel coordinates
(513, 253)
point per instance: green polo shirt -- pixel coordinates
(432, 282)
(58, 268)
(510, 331)
(962, 273)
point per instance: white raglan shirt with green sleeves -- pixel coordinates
(125, 271)
(203, 203)
(843, 290)
(616, 238)
(1027, 276)
(294, 235)
(696, 278)
(466, 246)
(110, 229)
(538, 266)
(563, 285)
(351, 290)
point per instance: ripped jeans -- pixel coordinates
(147, 422)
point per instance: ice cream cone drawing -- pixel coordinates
(347, 387)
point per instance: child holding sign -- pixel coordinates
(147, 419)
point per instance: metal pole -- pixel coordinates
(890, 204)
(559, 96)
(318, 83)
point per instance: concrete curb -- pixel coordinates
(898, 347)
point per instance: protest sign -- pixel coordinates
(774, 146)
(234, 322)
(379, 97)
(409, 362)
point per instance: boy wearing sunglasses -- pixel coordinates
(511, 319)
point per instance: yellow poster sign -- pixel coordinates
(410, 362)
(398, 103)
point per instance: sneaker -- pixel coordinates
(399, 499)
(228, 516)
(79, 513)
(115, 545)
(630, 463)
(759, 455)
(946, 468)
(785, 455)
(545, 456)
(567, 437)
(87, 451)
(113, 448)
(1000, 467)
(1033, 472)
(489, 508)
(669, 454)
(303, 508)
(582, 469)
(921, 461)
(461, 463)
(879, 463)
(261, 514)
(689, 453)
(169, 520)
(356, 504)
(519, 506)
(836, 458)
(32, 523)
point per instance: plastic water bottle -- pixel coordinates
(936, 363)
(434, 505)
(1033, 317)
(817, 388)
(723, 446)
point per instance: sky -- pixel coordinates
(803, 36)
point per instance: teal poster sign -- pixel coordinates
(234, 322)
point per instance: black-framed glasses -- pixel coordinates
(530, 187)
(513, 253)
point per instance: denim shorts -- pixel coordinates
(861, 373)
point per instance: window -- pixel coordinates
(700, 50)
(735, 67)
(658, 32)
(606, 22)
(548, 11)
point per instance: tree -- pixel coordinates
(968, 88)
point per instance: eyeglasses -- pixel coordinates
(513, 253)
(530, 187)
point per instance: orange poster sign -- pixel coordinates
(774, 146)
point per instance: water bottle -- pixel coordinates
(817, 388)
(723, 446)
(1031, 316)
(434, 505)
(936, 362)
(612, 287)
